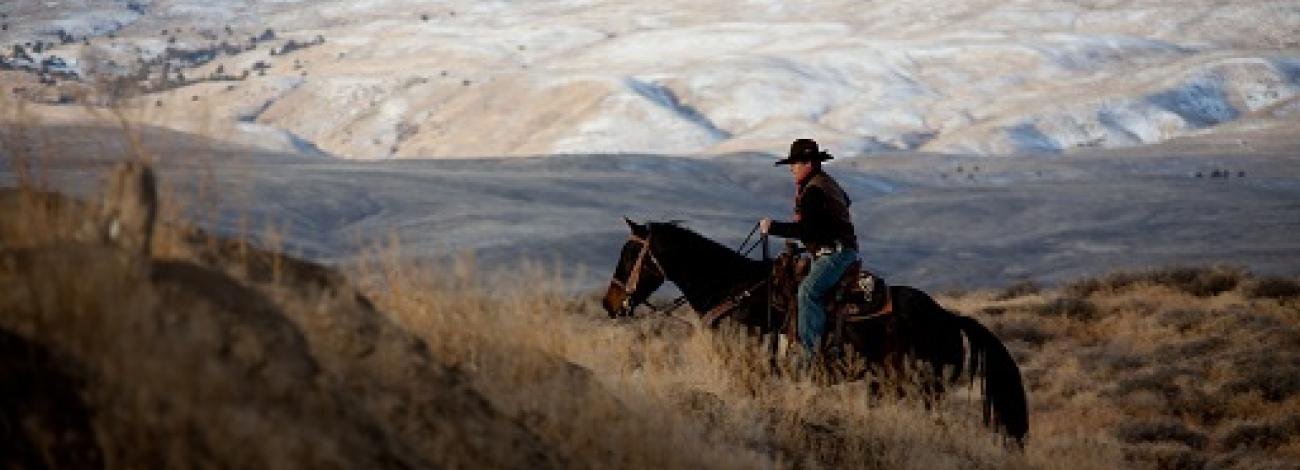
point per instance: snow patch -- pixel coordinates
(1201, 103)
(273, 139)
(630, 123)
(90, 23)
(1028, 138)
(665, 98)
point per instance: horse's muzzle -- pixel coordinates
(618, 302)
(617, 308)
(626, 308)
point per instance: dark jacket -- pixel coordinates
(821, 215)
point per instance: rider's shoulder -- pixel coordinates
(821, 182)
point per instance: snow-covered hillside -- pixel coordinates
(405, 78)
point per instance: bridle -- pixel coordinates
(634, 275)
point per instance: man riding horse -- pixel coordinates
(891, 328)
(822, 222)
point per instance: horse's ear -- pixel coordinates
(638, 230)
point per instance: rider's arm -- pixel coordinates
(786, 229)
(811, 210)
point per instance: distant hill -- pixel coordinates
(400, 79)
(933, 221)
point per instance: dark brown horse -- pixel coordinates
(919, 331)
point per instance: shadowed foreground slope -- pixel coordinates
(110, 356)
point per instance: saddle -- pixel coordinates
(859, 295)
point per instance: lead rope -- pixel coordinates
(770, 323)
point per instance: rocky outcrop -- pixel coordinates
(129, 207)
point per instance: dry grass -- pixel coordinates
(651, 394)
(1183, 367)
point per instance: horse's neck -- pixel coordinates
(707, 273)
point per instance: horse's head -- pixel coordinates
(637, 275)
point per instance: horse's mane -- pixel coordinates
(704, 269)
(700, 248)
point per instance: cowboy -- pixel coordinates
(822, 223)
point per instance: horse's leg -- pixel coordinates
(932, 386)
(896, 358)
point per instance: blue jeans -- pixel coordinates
(824, 273)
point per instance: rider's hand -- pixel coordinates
(764, 225)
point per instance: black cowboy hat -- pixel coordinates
(804, 150)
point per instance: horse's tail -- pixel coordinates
(1005, 406)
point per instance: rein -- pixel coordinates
(746, 241)
(730, 304)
